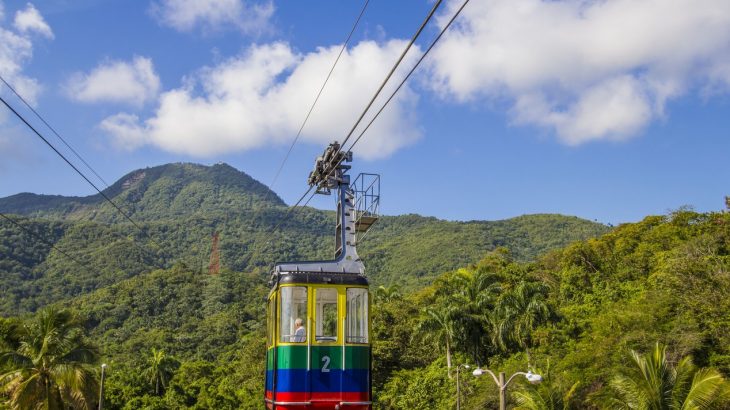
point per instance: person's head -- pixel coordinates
(298, 322)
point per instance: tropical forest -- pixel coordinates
(168, 310)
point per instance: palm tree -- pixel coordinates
(517, 314)
(475, 296)
(388, 293)
(48, 363)
(548, 395)
(437, 325)
(160, 369)
(654, 384)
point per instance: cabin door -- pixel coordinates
(326, 350)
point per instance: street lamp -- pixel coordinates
(101, 387)
(531, 377)
(458, 385)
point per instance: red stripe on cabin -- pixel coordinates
(319, 401)
(323, 406)
(335, 396)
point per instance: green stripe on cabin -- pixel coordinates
(270, 359)
(295, 357)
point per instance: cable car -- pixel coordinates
(318, 314)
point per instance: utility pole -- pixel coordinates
(458, 385)
(502, 384)
(101, 387)
(502, 392)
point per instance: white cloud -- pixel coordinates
(30, 20)
(587, 70)
(16, 49)
(615, 109)
(132, 82)
(261, 98)
(213, 15)
(126, 129)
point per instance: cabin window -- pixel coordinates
(326, 315)
(357, 315)
(270, 322)
(293, 314)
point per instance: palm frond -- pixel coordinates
(49, 366)
(707, 386)
(15, 360)
(654, 384)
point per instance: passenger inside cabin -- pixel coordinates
(300, 334)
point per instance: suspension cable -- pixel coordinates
(126, 216)
(395, 66)
(28, 231)
(316, 99)
(40, 117)
(372, 100)
(423, 56)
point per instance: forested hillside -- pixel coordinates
(176, 338)
(161, 192)
(660, 287)
(179, 207)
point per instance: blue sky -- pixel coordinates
(609, 110)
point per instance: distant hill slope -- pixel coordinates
(412, 250)
(181, 205)
(161, 192)
(662, 279)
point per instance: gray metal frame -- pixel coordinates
(330, 173)
(347, 261)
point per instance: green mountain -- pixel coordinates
(161, 192)
(179, 207)
(663, 279)
(559, 295)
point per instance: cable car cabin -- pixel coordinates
(318, 352)
(318, 342)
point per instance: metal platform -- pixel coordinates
(366, 189)
(364, 222)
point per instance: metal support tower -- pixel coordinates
(215, 262)
(330, 173)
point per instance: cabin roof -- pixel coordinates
(323, 278)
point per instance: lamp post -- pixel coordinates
(101, 387)
(458, 385)
(531, 377)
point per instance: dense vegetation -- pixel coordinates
(179, 206)
(578, 312)
(659, 288)
(46, 362)
(636, 318)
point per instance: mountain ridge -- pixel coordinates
(131, 191)
(180, 206)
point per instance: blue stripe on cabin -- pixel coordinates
(296, 380)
